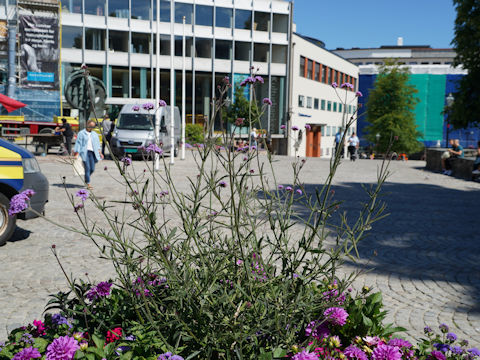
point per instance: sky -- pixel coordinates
(372, 23)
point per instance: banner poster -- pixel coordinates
(39, 52)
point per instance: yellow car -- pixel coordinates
(19, 171)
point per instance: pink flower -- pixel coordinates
(267, 101)
(305, 355)
(336, 315)
(352, 352)
(371, 340)
(386, 352)
(359, 94)
(282, 126)
(40, 327)
(62, 348)
(437, 355)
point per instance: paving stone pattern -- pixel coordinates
(427, 249)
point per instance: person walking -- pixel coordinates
(253, 138)
(88, 147)
(66, 130)
(353, 144)
(107, 128)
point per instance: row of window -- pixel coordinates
(327, 105)
(405, 63)
(140, 43)
(313, 70)
(204, 15)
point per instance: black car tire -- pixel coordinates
(7, 223)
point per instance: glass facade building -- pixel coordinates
(116, 39)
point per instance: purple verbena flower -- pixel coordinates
(154, 148)
(289, 188)
(18, 202)
(78, 207)
(135, 108)
(267, 101)
(305, 355)
(334, 85)
(299, 192)
(336, 315)
(126, 160)
(102, 289)
(282, 127)
(82, 194)
(148, 106)
(294, 128)
(308, 127)
(386, 352)
(27, 354)
(280, 187)
(352, 352)
(358, 94)
(62, 348)
(222, 184)
(162, 103)
(259, 79)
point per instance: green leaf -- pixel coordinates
(367, 321)
(99, 342)
(41, 344)
(279, 353)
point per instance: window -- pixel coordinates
(223, 17)
(262, 21)
(335, 106)
(118, 40)
(353, 109)
(412, 63)
(322, 106)
(203, 48)
(164, 44)
(328, 131)
(317, 72)
(72, 37)
(95, 7)
(94, 39)
(204, 15)
(118, 8)
(243, 19)
(349, 109)
(120, 84)
(279, 54)
(340, 107)
(309, 69)
(301, 101)
(309, 102)
(141, 9)
(164, 10)
(181, 10)
(315, 104)
(188, 46)
(260, 52)
(242, 51)
(140, 43)
(280, 23)
(73, 6)
(329, 106)
(223, 49)
(302, 66)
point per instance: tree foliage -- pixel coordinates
(240, 108)
(390, 111)
(466, 108)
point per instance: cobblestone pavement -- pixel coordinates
(427, 249)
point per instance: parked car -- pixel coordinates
(19, 170)
(135, 129)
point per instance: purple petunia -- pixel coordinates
(154, 148)
(336, 315)
(62, 348)
(267, 101)
(148, 106)
(27, 354)
(400, 343)
(102, 289)
(135, 108)
(352, 352)
(162, 103)
(386, 352)
(305, 355)
(358, 94)
(294, 128)
(18, 202)
(437, 355)
(82, 194)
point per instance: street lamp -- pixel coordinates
(450, 100)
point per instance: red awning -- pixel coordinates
(10, 104)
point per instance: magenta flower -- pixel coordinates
(399, 343)
(334, 85)
(62, 348)
(267, 101)
(135, 108)
(78, 207)
(294, 128)
(299, 192)
(148, 106)
(336, 315)
(280, 187)
(358, 94)
(222, 184)
(352, 352)
(154, 148)
(18, 202)
(308, 127)
(319, 332)
(239, 121)
(248, 80)
(239, 262)
(387, 352)
(102, 289)
(162, 103)
(436, 355)
(305, 355)
(82, 194)
(27, 354)
(282, 127)
(289, 188)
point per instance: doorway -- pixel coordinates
(314, 139)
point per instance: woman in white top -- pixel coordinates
(353, 144)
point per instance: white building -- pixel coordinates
(313, 100)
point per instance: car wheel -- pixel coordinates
(7, 223)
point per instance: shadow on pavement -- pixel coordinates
(68, 186)
(20, 234)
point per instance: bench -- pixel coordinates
(461, 168)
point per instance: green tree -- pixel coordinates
(466, 108)
(390, 111)
(240, 108)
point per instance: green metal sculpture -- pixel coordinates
(85, 93)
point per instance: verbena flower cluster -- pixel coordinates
(19, 202)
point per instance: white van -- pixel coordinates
(135, 129)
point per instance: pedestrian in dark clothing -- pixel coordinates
(67, 132)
